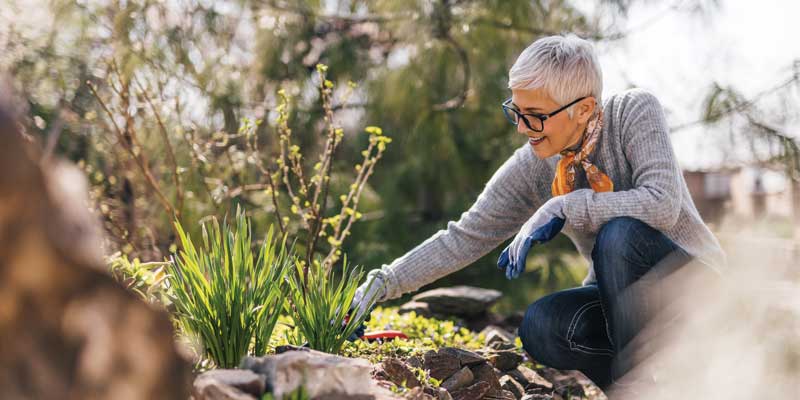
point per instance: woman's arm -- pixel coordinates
(505, 203)
(656, 196)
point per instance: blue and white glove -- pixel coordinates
(364, 301)
(544, 225)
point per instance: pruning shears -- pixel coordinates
(371, 336)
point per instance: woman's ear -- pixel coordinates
(585, 109)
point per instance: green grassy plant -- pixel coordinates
(225, 295)
(319, 305)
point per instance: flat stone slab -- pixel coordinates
(465, 301)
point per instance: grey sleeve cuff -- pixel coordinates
(384, 276)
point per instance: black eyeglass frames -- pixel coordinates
(537, 125)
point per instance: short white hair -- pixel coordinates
(566, 66)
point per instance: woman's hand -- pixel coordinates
(544, 225)
(367, 295)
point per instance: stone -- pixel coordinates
(508, 383)
(513, 320)
(569, 388)
(502, 345)
(414, 362)
(210, 389)
(417, 393)
(530, 379)
(418, 307)
(444, 394)
(464, 301)
(465, 357)
(472, 392)
(399, 373)
(504, 360)
(322, 375)
(242, 379)
(537, 397)
(460, 379)
(442, 365)
(486, 373)
(494, 333)
(289, 347)
(67, 328)
(566, 383)
(499, 395)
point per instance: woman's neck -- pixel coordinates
(577, 145)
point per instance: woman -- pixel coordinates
(606, 176)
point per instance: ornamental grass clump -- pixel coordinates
(320, 305)
(225, 296)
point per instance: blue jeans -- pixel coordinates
(587, 328)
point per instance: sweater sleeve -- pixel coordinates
(656, 195)
(505, 203)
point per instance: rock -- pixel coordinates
(67, 328)
(242, 379)
(417, 393)
(465, 357)
(420, 308)
(508, 383)
(399, 373)
(322, 375)
(460, 379)
(465, 301)
(486, 373)
(530, 379)
(504, 360)
(288, 347)
(537, 397)
(443, 394)
(494, 333)
(502, 345)
(414, 362)
(442, 365)
(513, 320)
(566, 383)
(472, 392)
(210, 389)
(499, 395)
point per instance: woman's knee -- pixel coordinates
(539, 332)
(620, 234)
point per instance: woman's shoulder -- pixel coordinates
(629, 100)
(631, 97)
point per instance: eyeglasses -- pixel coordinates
(537, 125)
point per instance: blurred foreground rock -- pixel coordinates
(323, 375)
(67, 329)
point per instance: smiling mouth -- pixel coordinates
(534, 141)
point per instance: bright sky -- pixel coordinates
(745, 44)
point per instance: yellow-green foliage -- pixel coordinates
(423, 334)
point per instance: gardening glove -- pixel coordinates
(364, 300)
(544, 225)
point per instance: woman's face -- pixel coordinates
(560, 131)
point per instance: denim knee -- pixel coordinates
(621, 238)
(539, 332)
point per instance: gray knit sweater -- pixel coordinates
(634, 150)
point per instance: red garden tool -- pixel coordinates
(383, 335)
(372, 336)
